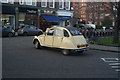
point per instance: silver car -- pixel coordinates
(29, 30)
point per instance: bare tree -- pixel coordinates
(114, 9)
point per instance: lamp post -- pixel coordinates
(16, 17)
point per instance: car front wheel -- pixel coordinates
(65, 52)
(10, 34)
(37, 45)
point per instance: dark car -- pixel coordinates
(7, 31)
(29, 30)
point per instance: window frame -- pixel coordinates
(4, 1)
(53, 5)
(43, 1)
(28, 2)
(62, 3)
(67, 5)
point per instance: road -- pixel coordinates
(22, 60)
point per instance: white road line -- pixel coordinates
(117, 70)
(113, 64)
(110, 59)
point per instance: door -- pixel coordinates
(58, 37)
(49, 38)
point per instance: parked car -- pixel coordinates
(7, 31)
(29, 30)
(67, 39)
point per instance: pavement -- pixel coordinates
(104, 48)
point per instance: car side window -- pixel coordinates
(50, 32)
(58, 32)
(66, 33)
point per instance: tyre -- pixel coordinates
(37, 44)
(65, 52)
(10, 34)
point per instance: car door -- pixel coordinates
(58, 37)
(49, 38)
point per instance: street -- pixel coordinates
(21, 60)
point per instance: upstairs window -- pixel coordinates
(28, 2)
(43, 3)
(4, 1)
(51, 3)
(11, 1)
(67, 5)
(34, 2)
(61, 4)
(21, 2)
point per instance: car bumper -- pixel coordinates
(81, 49)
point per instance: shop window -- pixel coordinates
(51, 3)
(4, 1)
(61, 4)
(43, 3)
(67, 5)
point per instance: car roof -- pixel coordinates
(68, 28)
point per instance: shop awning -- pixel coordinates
(51, 18)
(65, 18)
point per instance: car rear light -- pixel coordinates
(86, 45)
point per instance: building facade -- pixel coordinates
(93, 12)
(42, 14)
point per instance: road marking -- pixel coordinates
(117, 70)
(110, 59)
(115, 66)
(113, 62)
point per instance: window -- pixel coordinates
(34, 2)
(67, 5)
(21, 2)
(102, 15)
(11, 1)
(61, 4)
(58, 32)
(43, 3)
(66, 33)
(4, 1)
(51, 3)
(28, 2)
(50, 32)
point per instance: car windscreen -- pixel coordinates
(74, 31)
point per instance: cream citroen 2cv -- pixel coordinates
(68, 39)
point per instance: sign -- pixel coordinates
(64, 13)
(47, 11)
(28, 10)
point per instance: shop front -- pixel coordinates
(8, 16)
(66, 17)
(48, 18)
(28, 16)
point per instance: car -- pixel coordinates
(67, 39)
(29, 30)
(7, 31)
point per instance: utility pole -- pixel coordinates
(116, 29)
(16, 14)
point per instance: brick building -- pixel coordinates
(92, 12)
